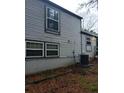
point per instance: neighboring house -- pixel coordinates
(89, 43)
(52, 36)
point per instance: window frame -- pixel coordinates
(46, 25)
(87, 48)
(88, 39)
(34, 49)
(58, 50)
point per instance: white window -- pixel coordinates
(88, 41)
(52, 20)
(88, 48)
(34, 49)
(88, 44)
(52, 50)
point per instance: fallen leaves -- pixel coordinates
(80, 80)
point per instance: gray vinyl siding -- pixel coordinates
(34, 19)
(69, 38)
(69, 28)
(37, 65)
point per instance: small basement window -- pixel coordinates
(52, 50)
(34, 49)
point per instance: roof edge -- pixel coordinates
(60, 7)
(90, 34)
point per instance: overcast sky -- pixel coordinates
(71, 5)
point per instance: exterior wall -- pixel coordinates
(69, 38)
(37, 65)
(93, 45)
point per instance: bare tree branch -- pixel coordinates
(90, 4)
(88, 15)
(92, 25)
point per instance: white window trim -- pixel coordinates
(57, 31)
(88, 40)
(87, 48)
(53, 19)
(34, 49)
(52, 49)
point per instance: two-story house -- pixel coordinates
(52, 36)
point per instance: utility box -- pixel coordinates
(84, 59)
